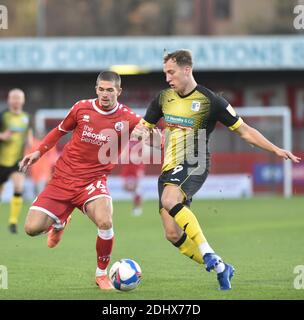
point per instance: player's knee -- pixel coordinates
(168, 202)
(104, 224)
(32, 230)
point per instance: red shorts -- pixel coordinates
(61, 196)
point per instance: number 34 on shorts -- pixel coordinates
(97, 186)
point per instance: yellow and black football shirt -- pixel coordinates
(184, 116)
(11, 150)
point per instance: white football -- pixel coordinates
(125, 274)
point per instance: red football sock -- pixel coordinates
(104, 250)
(137, 201)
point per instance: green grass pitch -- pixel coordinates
(262, 238)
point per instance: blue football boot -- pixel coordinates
(211, 261)
(224, 277)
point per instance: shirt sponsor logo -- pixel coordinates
(181, 122)
(17, 129)
(25, 120)
(91, 137)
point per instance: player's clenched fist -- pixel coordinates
(140, 132)
(28, 160)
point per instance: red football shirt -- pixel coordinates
(97, 139)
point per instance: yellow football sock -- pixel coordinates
(188, 248)
(16, 206)
(185, 218)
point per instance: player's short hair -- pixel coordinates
(182, 57)
(109, 76)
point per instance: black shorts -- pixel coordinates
(187, 177)
(5, 172)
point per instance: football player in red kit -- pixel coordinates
(100, 129)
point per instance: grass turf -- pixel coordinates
(262, 238)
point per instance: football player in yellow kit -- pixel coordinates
(190, 112)
(14, 132)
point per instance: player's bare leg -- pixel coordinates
(100, 211)
(172, 230)
(37, 222)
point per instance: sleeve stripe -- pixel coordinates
(237, 124)
(60, 128)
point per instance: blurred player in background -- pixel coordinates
(186, 108)
(131, 174)
(15, 132)
(42, 171)
(80, 178)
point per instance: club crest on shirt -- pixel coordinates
(25, 120)
(195, 106)
(118, 126)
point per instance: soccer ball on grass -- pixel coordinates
(125, 274)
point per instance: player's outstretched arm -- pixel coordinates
(254, 137)
(28, 160)
(47, 143)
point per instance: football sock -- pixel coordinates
(214, 261)
(100, 272)
(15, 208)
(205, 248)
(185, 218)
(188, 248)
(220, 267)
(137, 200)
(104, 245)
